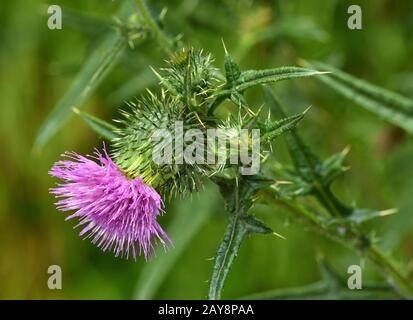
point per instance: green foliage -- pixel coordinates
(183, 229)
(235, 233)
(251, 78)
(238, 199)
(188, 84)
(134, 146)
(101, 127)
(312, 175)
(102, 57)
(331, 286)
(191, 71)
(346, 228)
(192, 91)
(386, 104)
(94, 70)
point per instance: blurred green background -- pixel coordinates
(38, 65)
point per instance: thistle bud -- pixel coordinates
(150, 127)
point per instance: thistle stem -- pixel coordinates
(388, 268)
(352, 239)
(160, 36)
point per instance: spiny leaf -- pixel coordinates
(255, 225)
(101, 127)
(276, 128)
(232, 70)
(90, 76)
(238, 195)
(304, 159)
(332, 167)
(388, 105)
(226, 254)
(241, 197)
(360, 216)
(292, 186)
(238, 99)
(306, 163)
(251, 78)
(237, 229)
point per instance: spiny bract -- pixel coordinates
(134, 146)
(190, 68)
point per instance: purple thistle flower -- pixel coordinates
(116, 212)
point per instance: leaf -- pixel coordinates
(130, 88)
(185, 225)
(251, 78)
(238, 200)
(103, 128)
(329, 287)
(304, 160)
(292, 186)
(163, 40)
(232, 70)
(360, 216)
(332, 167)
(386, 104)
(85, 23)
(240, 197)
(95, 69)
(306, 163)
(237, 229)
(254, 225)
(226, 254)
(276, 128)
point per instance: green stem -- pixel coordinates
(388, 268)
(353, 239)
(160, 36)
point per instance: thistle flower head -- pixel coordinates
(193, 67)
(117, 213)
(134, 146)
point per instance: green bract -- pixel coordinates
(190, 71)
(189, 83)
(134, 144)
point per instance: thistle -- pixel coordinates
(134, 147)
(116, 212)
(119, 200)
(116, 201)
(190, 71)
